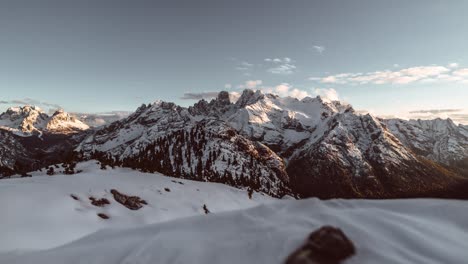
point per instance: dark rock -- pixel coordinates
(327, 245)
(167, 189)
(99, 202)
(131, 202)
(103, 216)
(74, 197)
(205, 208)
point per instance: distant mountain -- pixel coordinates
(31, 120)
(101, 119)
(310, 147)
(31, 139)
(439, 140)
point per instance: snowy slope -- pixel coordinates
(392, 231)
(39, 212)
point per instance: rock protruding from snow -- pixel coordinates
(326, 245)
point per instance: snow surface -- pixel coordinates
(41, 223)
(39, 213)
(392, 231)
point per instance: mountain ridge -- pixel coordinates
(277, 145)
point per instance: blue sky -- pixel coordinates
(387, 57)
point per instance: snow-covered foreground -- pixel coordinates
(39, 212)
(41, 215)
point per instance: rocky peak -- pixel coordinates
(223, 98)
(216, 107)
(249, 97)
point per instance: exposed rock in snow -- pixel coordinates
(42, 212)
(327, 245)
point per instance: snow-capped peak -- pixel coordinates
(30, 120)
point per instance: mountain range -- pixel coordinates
(309, 147)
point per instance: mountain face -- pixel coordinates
(167, 138)
(438, 140)
(12, 154)
(308, 147)
(31, 139)
(31, 120)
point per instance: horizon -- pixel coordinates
(88, 57)
(233, 97)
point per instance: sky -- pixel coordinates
(391, 58)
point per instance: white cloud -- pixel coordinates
(282, 89)
(457, 115)
(244, 66)
(234, 96)
(251, 84)
(327, 93)
(329, 79)
(284, 69)
(461, 72)
(453, 65)
(424, 74)
(228, 86)
(282, 66)
(285, 90)
(319, 49)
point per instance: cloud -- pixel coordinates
(285, 90)
(327, 93)
(228, 86)
(457, 115)
(435, 111)
(284, 69)
(244, 66)
(282, 66)
(233, 96)
(30, 101)
(251, 84)
(453, 65)
(423, 74)
(319, 49)
(461, 72)
(199, 96)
